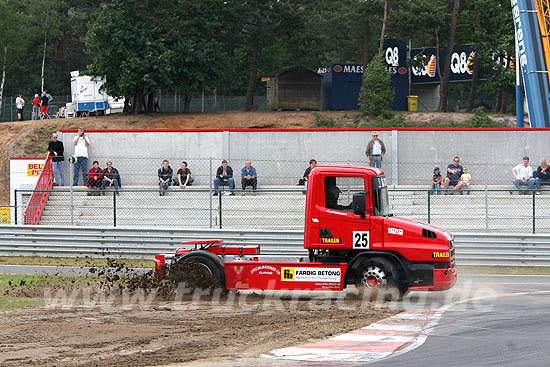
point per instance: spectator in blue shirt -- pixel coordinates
(249, 176)
(224, 177)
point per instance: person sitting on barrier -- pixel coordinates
(454, 171)
(436, 181)
(249, 177)
(523, 175)
(95, 176)
(165, 177)
(224, 177)
(466, 178)
(111, 177)
(542, 175)
(183, 176)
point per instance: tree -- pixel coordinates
(444, 84)
(376, 94)
(128, 48)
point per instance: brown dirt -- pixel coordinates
(117, 333)
(30, 138)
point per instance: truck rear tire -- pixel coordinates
(378, 274)
(209, 262)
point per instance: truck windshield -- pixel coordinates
(380, 198)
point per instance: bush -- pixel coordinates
(323, 120)
(376, 94)
(480, 118)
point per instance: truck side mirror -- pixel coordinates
(360, 204)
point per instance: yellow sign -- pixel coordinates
(4, 215)
(265, 79)
(439, 254)
(34, 169)
(287, 273)
(330, 240)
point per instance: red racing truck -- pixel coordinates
(351, 238)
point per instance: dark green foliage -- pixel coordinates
(376, 94)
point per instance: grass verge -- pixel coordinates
(504, 270)
(72, 261)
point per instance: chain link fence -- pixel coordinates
(167, 103)
(479, 211)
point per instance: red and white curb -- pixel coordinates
(395, 335)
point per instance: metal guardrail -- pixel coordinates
(484, 249)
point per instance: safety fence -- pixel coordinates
(59, 241)
(142, 170)
(491, 210)
(167, 103)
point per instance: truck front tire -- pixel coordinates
(379, 274)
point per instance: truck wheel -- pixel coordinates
(379, 274)
(209, 263)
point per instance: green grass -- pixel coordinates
(504, 270)
(12, 303)
(71, 261)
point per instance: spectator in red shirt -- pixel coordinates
(35, 107)
(95, 178)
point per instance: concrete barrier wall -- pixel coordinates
(281, 157)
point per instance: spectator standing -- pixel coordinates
(56, 149)
(183, 176)
(466, 178)
(165, 173)
(543, 175)
(454, 172)
(375, 151)
(95, 178)
(312, 163)
(156, 107)
(111, 177)
(50, 99)
(81, 144)
(19, 104)
(224, 177)
(35, 107)
(523, 175)
(44, 101)
(436, 180)
(249, 177)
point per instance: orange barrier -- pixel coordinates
(40, 195)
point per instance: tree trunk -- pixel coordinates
(504, 103)
(475, 80)
(498, 101)
(186, 103)
(150, 101)
(43, 62)
(383, 32)
(365, 44)
(249, 105)
(444, 86)
(3, 77)
(138, 101)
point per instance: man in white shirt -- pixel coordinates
(19, 104)
(523, 175)
(81, 144)
(375, 151)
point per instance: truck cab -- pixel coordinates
(348, 219)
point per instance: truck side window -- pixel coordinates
(339, 192)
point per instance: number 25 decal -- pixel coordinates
(361, 239)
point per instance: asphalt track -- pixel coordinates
(489, 320)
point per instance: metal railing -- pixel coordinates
(40, 195)
(471, 248)
(489, 210)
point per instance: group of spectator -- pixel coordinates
(457, 177)
(224, 177)
(40, 106)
